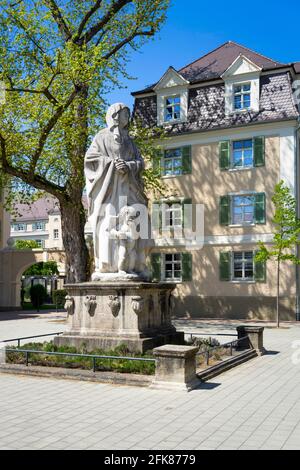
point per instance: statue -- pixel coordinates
(115, 191)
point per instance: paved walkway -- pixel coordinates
(256, 405)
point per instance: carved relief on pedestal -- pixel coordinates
(90, 304)
(69, 305)
(138, 304)
(114, 304)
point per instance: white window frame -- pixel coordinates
(173, 262)
(242, 93)
(41, 243)
(243, 261)
(172, 159)
(173, 105)
(233, 167)
(39, 223)
(243, 223)
(17, 225)
(56, 232)
(168, 209)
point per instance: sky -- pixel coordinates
(194, 27)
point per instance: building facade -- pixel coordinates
(232, 121)
(39, 221)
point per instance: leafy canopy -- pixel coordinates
(287, 228)
(59, 59)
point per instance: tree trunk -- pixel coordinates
(277, 300)
(77, 256)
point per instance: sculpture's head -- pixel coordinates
(128, 214)
(117, 115)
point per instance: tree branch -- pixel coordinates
(115, 8)
(127, 40)
(46, 131)
(38, 181)
(58, 18)
(88, 15)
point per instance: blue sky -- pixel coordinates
(194, 27)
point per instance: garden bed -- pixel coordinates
(83, 363)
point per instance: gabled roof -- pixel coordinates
(212, 65)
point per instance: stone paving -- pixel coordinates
(254, 406)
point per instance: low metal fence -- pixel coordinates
(230, 345)
(30, 337)
(93, 357)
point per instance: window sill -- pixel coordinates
(241, 225)
(172, 281)
(242, 281)
(242, 168)
(172, 176)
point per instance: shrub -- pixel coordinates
(59, 296)
(38, 295)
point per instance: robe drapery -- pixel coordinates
(108, 190)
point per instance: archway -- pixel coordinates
(12, 265)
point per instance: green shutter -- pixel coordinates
(260, 208)
(187, 213)
(225, 266)
(224, 154)
(225, 210)
(259, 271)
(259, 151)
(157, 162)
(156, 266)
(186, 160)
(187, 266)
(156, 216)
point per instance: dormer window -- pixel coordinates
(242, 84)
(172, 108)
(242, 96)
(172, 98)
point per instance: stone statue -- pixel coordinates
(115, 191)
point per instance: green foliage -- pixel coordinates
(26, 244)
(58, 61)
(286, 234)
(58, 297)
(117, 365)
(47, 268)
(287, 228)
(38, 295)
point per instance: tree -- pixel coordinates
(286, 235)
(44, 268)
(58, 60)
(26, 244)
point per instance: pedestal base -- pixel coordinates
(104, 315)
(140, 345)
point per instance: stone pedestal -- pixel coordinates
(107, 314)
(175, 368)
(254, 338)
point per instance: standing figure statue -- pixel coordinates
(113, 171)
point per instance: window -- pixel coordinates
(242, 96)
(243, 210)
(38, 226)
(19, 227)
(242, 269)
(56, 234)
(40, 243)
(172, 267)
(172, 108)
(172, 164)
(242, 153)
(172, 215)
